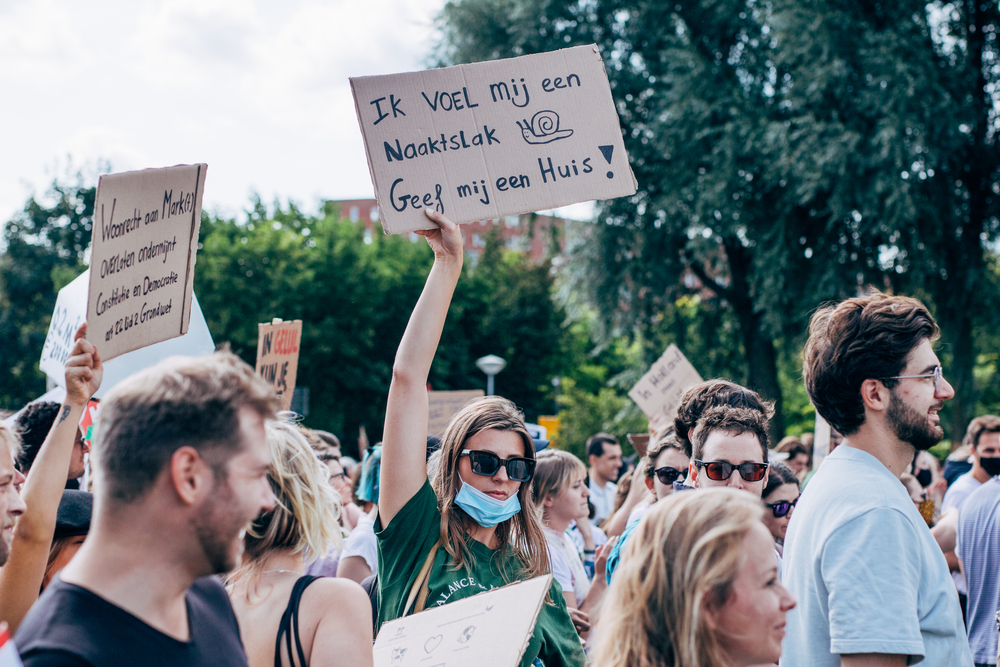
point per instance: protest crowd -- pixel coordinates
(211, 528)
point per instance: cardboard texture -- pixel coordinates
(143, 252)
(491, 629)
(660, 389)
(444, 404)
(71, 311)
(278, 356)
(490, 139)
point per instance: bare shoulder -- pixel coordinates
(334, 597)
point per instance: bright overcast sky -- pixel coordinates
(257, 89)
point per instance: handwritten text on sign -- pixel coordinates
(661, 388)
(491, 139)
(278, 357)
(442, 406)
(143, 253)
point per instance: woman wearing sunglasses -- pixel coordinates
(478, 527)
(780, 495)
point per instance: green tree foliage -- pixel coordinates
(787, 153)
(43, 249)
(354, 294)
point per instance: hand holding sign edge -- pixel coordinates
(84, 369)
(446, 241)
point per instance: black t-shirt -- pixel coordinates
(70, 626)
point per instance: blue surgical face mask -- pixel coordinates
(486, 510)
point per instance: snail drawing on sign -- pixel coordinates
(543, 128)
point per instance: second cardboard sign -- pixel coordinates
(490, 139)
(278, 356)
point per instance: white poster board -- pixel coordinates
(659, 391)
(490, 139)
(70, 312)
(491, 629)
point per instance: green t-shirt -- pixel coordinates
(402, 549)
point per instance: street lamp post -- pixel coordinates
(491, 364)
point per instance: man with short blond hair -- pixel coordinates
(181, 466)
(11, 479)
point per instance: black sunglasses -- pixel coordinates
(720, 471)
(782, 507)
(486, 464)
(668, 475)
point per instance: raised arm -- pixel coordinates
(21, 577)
(404, 440)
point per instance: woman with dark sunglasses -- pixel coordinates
(478, 527)
(779, 496)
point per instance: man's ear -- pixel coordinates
(693, 473)
(874, 395)
(188, 474)
(767, 474)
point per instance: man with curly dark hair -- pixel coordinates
(33, 425)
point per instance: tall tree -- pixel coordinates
(787, 153)
(45, 245)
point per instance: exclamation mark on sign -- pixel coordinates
(606, 152)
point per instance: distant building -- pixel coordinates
(542, 236)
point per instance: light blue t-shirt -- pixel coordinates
(867, 574)
(978, 546)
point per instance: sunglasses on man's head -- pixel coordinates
(668, 475)
(486, 464)
(782, 507)
(720, 471)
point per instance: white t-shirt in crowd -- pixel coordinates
(362, 542)
(567, 567)
(603, 499)
(867, 574)
(959, 490)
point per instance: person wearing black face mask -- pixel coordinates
(977, 545)
(983, 439)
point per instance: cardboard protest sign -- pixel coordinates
(491, 629)
(70, 312)
(142, 255)
(661, 388)
(278, 356)
(464, 141)
(444, 404)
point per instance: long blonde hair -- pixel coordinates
(306, 512)
(684, 555)
(522, 533)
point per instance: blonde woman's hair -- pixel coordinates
(306, 512)
(555, 471)
(522, 533)
(11, 439)
(684, 556)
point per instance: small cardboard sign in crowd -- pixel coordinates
(278, 356)
(442, 405)
(490, 139)
(659, 391)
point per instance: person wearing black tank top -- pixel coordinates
(287, 618)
